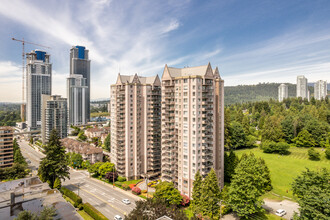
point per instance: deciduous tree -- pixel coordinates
(167, 192)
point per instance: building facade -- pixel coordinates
(54, 115)
(302, 87)
(78, 86)
(320, 89)
(39, 82)
(6, 147)
(192, 125)
(283, 92)
(136, 126)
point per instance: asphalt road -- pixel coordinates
(102, 196)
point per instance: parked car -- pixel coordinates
(280, 212)
(126, 201)
(118, 217)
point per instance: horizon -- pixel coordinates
(251, 43)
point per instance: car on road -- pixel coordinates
(280, 212)
(28, 161)
(126, 201)
(118, 217)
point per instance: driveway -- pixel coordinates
(289, 206)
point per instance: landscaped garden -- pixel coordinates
(283, 169)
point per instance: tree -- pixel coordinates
(288, 128)
(327, 153)
(210, 197)
(304, 139)
(167, 192)
(106, 168)
(18, 157)
(112, 176)
(31, 140)
(154, 209)
(85, 164)
(107, 143)
(313, 191)
(82, 136)
(75, 159)
(273, 147)
(231, 162)
(46, 214)
(94, 169)
(54, 164)
(313, 154)
(57, 183)
(272, 129)
(197, 192)
(237, 136)
(250, 181)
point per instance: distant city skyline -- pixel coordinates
(251, 42)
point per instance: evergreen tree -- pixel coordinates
(210, 197)
(237, 135)
(18, 157)
(231, 162)
(304, 139)
(107, 143)
(57, 183)
(197, 192)
(250, 181)
(54, 164)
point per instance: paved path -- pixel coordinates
(289, 206)
(143, 186)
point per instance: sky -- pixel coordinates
(250, 42)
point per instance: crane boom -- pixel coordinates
(23, 106)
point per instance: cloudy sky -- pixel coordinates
(250, 41)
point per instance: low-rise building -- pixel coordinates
(96, 132)
(6, 147)
(87, 151)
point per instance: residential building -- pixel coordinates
(54, 115)
(302, 87)
(87, 151)
(136, 126)
(78, 86)
(283, 92)
(96, 132)
(6, 147)
(320, 89)
(192, 125)
(39, 82)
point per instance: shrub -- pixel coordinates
(273, 147)
(74, 197)
(144, 191)
(94, 213)
(327, 153)
(185, 200)
(313, 154)
(125, 187)
(136, 190)
(121, 178)
(131, 186)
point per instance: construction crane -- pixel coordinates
(23, 106)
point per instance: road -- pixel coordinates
(102, 196)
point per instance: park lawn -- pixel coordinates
(283, 169)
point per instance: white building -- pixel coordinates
(283, 92)
(320, 89)
(39, 82)
(302, 87)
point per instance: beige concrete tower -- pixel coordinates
(192, 124)
(136, 126)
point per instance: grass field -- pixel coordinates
(283, 169)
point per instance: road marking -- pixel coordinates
(101, 200)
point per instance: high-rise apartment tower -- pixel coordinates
(283, 92)
(302, 87)
(78, 86)
(320, 89)
(6, 147)
(54, 115)
(192, 124)
(39, 82)
(136, 126)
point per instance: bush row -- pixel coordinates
(93, 212)
(74, 197)
(273, 147)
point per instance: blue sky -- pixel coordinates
(250, 41)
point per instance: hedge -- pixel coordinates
(93, 212)
(74, 197)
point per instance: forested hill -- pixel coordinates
(253, 93)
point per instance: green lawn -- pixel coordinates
(84, 215)
(283, 169)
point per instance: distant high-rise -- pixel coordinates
(6, 146)
(320, 89)
(39, 82)
(192, 124)
(78, 86)
(136, 126)
(282, 92)
(54, 115)
(302, 87)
